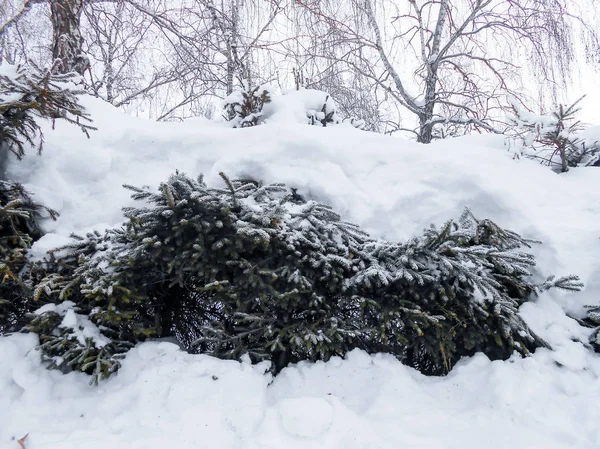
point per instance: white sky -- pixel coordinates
(587, 83)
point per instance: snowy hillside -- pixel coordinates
(165, 398)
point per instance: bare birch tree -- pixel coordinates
(67, 51)
(11, 18)
(464, 53)
(210, 45)
(430, 67)
(119, 41)
(23, 35)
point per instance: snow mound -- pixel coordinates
(163, 397)
(393, 188)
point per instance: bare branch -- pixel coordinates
(16, 17)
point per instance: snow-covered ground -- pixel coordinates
(163, 398)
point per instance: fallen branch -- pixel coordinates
(22, 441)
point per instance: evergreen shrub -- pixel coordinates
(19, 228)
(555, 139)
(244, 106)
(28, 93)
(252, 268)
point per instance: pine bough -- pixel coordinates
(257, 269)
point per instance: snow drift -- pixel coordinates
(392, 188)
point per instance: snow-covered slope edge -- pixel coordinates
(164, 398)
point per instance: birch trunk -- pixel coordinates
(67, 40)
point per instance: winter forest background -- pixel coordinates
(425, 69)
(299, 223)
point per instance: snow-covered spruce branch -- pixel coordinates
(253, 268)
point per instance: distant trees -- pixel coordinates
(463, 55)
(11, 16)
(22, 28)
(431, 68)
(202, 49)
(118, 42)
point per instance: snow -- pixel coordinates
(306, 417)
(591, 135)
(81, 326)
(163, 397)
(9, 72)
(296, 106)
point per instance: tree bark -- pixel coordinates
(67, 40)
(425, 129)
